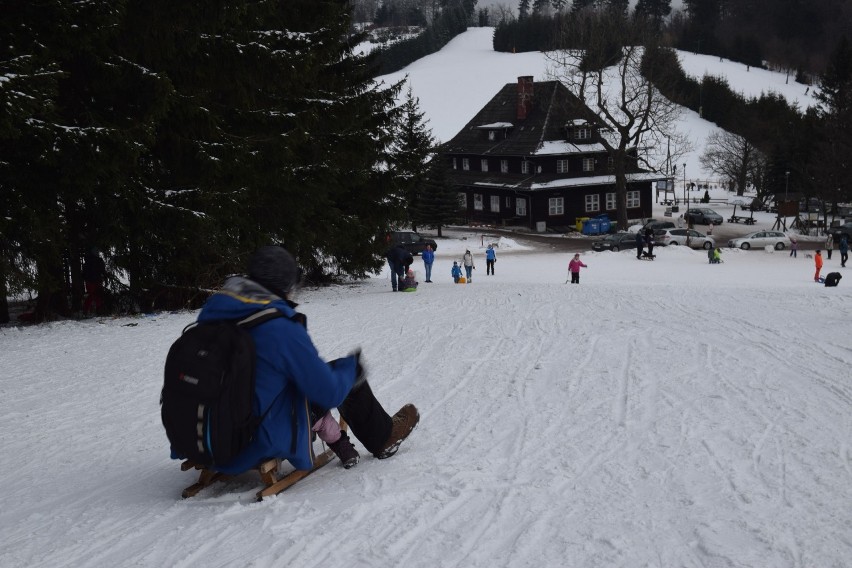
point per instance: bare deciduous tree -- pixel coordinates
(733, 157)
(610, 76)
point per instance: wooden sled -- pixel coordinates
(268, 471)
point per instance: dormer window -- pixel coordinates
(582, 133)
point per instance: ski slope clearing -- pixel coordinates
(665, 413)
(455, 83)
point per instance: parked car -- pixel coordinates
(761, 239)
(413, 242)
(840, 231)
(616, 242)
(703, 216)
(655, 225)
(679, 237)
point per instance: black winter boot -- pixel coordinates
(344, 450)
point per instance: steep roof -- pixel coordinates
(553, 107)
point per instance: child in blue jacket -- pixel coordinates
(456, 272)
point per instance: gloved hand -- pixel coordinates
(360, 371)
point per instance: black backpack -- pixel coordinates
(833, 278)
(208, 389)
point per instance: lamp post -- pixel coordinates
(685, 198)
(786, 183)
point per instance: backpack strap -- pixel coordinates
(260, 317)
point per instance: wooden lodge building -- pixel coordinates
(533, 157)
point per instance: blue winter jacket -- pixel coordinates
(490, 254)
(428, 256)
(289, 372)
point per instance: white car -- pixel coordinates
(761, 239)
(679, 236)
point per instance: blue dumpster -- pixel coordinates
(591, 227)
(605, 223)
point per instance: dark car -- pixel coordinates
(655, 225)
(615, 242)
(413, 242)
(840, 231)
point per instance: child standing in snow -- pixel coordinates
(574, 268)
(794, 246)
(456, 272)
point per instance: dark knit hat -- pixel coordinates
(274, 268)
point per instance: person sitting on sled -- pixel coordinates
(408, 284)
(294, 383)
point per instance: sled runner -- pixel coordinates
(646, 256)
(268, 471)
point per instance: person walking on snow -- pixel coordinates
(818, 264)
(574, 268)
(794, 246)
(490, 259)
(844, 250)
(469, 267)
(428, 256)
(456, 272)
(399, 260)
(829, 245)
(640, 242)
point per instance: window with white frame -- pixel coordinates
(465, 164)
(610, 201)
(583, 133)
(504, 166)
(462, 200)
(484, 164)
(593, 203)
(588, 164)
(525, 167)
(477, 201)
(495, 203)
(521, 207)
(556, 206)
(562, 166)
(632, 199)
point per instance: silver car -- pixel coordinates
(761, 239)
(703, 216)
(679, 237)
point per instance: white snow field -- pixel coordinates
(660, 414)
(666, 413)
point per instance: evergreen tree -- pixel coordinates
(832, 167)
(655, 11)
(523, 9)
(438, 202)
(412, 149)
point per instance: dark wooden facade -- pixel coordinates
(533, 157)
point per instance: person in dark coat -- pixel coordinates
(640, 242)
(94, 272)
(649, 240)
(292, 382)
(399, 260)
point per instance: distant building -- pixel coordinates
(533, 157)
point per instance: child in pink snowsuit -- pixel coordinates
(574, 268)
(328, 430)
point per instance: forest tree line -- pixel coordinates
(175, 137)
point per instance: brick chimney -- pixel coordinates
(525, 96)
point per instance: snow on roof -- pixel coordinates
(579, 121)
(563, 147)
(596, 180)
(497, 125)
